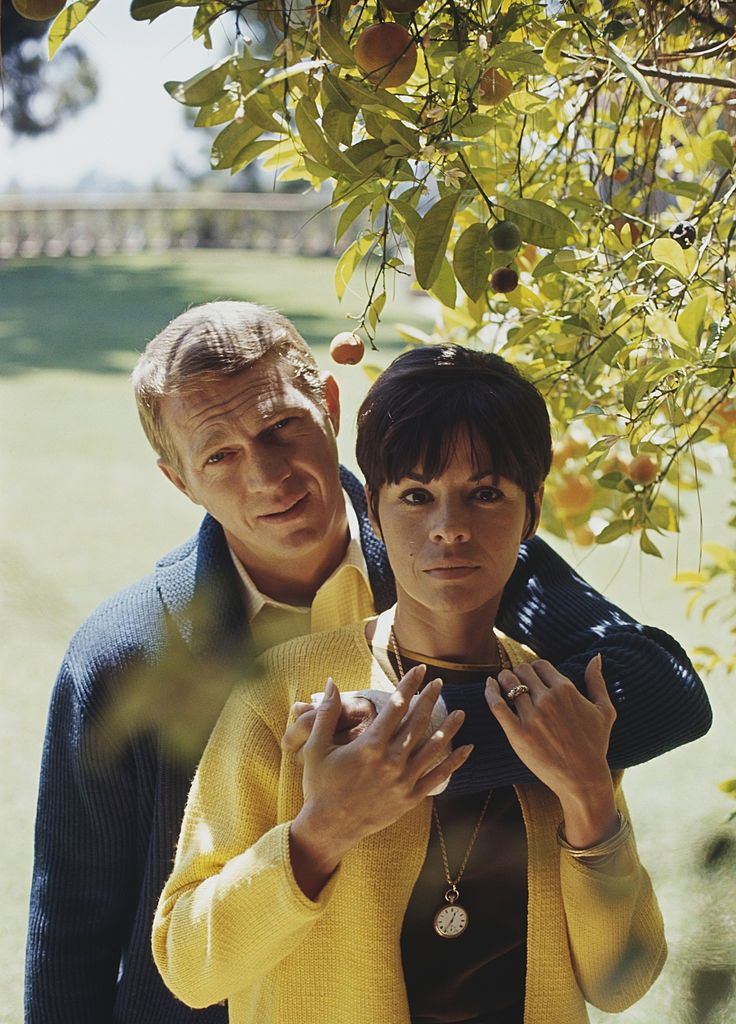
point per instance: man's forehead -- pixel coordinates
(256, 392)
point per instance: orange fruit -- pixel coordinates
(644, 469)
(347, 348)
(618, 224)
(620, 174)
(575, 495)
(38, 10)
(493, 88)
(387, 54)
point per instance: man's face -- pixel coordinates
(260, 455)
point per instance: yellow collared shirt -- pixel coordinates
(344, 597)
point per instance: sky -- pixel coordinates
(134, 131)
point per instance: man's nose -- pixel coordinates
(266, 469)
(451, 524)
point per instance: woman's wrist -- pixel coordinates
(589, 813)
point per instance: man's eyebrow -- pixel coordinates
(208, 441)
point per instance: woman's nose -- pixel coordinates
(450, 525)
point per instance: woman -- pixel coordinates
(331, 887)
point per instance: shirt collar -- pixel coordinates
(254, 600)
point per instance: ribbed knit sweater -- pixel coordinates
(108, 819)
(233, 924)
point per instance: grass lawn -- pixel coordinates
(85, 511)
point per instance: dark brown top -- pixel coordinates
(477, 977)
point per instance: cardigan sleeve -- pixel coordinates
(232, 909)
(614, 926)
(660, 700)
(84, 860)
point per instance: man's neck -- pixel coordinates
(296, 581)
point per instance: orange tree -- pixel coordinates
(559, 176)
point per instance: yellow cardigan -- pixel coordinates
(232, 923)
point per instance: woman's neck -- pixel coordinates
(465, 637)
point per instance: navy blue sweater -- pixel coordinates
(109, 811)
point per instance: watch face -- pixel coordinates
(451, 921)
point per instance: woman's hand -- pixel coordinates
(563, 737)
(354, 790)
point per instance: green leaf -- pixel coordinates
(551, 54)
(338, 125)
(351, 212)
(372, 372)
(204, 19)
(692, 319)
(348, 262)
(251, 152)
(310, 133)
(472, 126)
(719, 149)
(519, 57)
(270, 79)
(66, 21)
(444, 288)
(204, 87)
(613, 531)
(430, 241)
(669, 254)
(332, 43)
(218, 112)
(648, 546)
(231, 141)
(623, 63)
(472, 260)
(540, 223)
(149, 10)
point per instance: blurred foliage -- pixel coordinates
(37, 96)
(604, 132)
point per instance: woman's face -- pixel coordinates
(453, 541)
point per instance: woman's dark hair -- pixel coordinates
(419, 406)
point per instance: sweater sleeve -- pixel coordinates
(614, 926)
(83, 864)
(555, 612)
(232, 909)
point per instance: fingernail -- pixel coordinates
(420, 670)
(599, 661)
(468, 749)
(436, 684)
(329, 688)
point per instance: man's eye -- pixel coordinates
(214, 459)
(281, 424)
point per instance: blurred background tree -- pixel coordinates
(37, 96)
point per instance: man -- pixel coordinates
(243, 424)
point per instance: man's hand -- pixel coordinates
(356, 789)
(356, 714)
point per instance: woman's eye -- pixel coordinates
(488, 495)
(416, 496)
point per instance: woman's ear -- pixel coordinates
(534, 524)
(372, 499)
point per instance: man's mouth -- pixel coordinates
(288, 512)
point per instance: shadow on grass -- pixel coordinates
(96, 314)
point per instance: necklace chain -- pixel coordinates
(452, 893)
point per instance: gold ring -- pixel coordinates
(517, 691)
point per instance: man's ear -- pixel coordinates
(177, 480)
(372, 517)
(534, 526)
(332, 399)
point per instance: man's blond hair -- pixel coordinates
(207, 343)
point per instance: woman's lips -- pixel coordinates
(453, 572)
